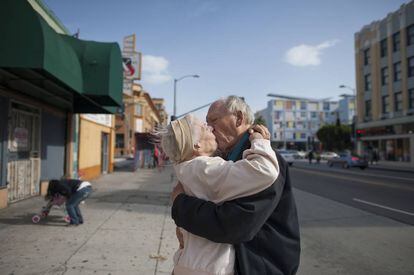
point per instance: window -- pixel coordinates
(397, 71)
(384, 76)
(326, 106)
(313, 115)
(303, 135)
(119, 141)
(368, 108)
(411, 98)
(367, 57)
(367, 82)
(138, 109)
(396, 41)
(398, 102)
(384, 47)
(303, 114)
(303, 105)
(385, 104)
(410, 66)
(410, 35)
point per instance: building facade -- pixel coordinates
(43, 86)
(294, 121)
(142, 115)
(384, 55)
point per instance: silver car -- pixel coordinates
(288, 156)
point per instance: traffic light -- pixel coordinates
(360, 133)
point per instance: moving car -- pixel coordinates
(288, 156)
(329, 155)
(347, 160)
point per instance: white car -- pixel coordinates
(287, 156)
(329, 155)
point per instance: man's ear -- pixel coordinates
(239, 118)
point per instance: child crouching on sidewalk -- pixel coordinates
(75, 191)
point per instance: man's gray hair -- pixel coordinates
(235, 104)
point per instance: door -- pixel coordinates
(105, 153)
(23, 167)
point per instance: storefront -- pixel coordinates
(389, 143)
(46, 78)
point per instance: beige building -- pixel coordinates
(141, 115)
(384, 57)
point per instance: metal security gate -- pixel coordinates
(105, 153)
(23, 167)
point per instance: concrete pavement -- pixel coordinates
(128, 230)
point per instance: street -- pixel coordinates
(385, 193)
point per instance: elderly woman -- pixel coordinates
(191, 144)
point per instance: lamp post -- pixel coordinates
(355, 118)
(175, 91)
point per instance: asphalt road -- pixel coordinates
(384, 193)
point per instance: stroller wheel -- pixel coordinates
(67, 219)
(36, 219)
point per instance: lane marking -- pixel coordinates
(359, 174)
(383, 206)
(347, 178)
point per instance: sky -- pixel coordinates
(238, 47)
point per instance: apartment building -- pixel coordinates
(294, 121)
(384, 56)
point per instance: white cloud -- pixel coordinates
(307, 55)
(155, 69)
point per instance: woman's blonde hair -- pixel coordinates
(168, 140)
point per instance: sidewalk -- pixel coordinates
(128, 230)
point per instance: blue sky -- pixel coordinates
(247, 48)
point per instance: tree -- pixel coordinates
(335, 137)
(260, 120)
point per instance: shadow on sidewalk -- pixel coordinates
(161, 198)
(51, 220)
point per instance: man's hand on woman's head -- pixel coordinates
(259, 132)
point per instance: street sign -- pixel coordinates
(127, 86)
(131, 63)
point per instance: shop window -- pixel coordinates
(119, 141)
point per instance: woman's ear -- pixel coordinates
(239, 118)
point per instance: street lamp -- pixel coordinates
(355, 118)
(175, 90)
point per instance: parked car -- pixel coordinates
(328, 155)
(348, 160)
(287, 156)
(295, 153)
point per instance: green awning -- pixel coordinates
(50, 63)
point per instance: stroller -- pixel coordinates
(58, 201)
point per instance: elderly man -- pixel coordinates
(262, 227)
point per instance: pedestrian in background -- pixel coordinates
(310, 156)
